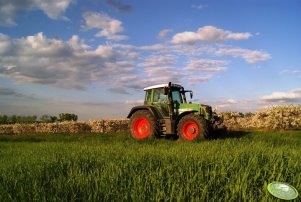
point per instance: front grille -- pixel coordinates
(206, 111)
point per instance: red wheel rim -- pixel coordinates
(190, 130)
(141, 128)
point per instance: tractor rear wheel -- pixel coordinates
(142, 125)
(192, 127)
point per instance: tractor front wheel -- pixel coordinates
(192, 127)
(142, 125)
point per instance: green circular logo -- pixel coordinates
(282, 190)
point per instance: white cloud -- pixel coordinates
(160, 79)
(109, 27)
(151, 71)
(120, 67)
(199, 6)
(250, 56)
(153, 47)
(291, 72)
(5, 44)
(234, 105)
(9, 92)
(226, 103)
(160, 60)
(198, 79)
(292, 96)
(133, 103)
(207, 65)
(208, 34)
(54, 9)
(168, 48)
(186, 37)
(163, 33)
(171, 73)
(252, 105)
(64, 64)
(74, 64)
(165, 63)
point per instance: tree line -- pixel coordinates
(5, 119)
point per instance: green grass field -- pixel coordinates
(116, 168)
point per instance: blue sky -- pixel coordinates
(94, 57)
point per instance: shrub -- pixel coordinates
(67, 117)
(274, 117)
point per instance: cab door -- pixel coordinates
(177, 100)
(160, 101)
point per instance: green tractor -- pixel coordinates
(166, 113)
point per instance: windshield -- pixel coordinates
(176, 96)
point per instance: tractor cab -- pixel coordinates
(164, 98)
(159, 93)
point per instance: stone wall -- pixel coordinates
(72, 127)
(283, 117)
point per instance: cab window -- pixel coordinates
(159, 95)
(148, 96)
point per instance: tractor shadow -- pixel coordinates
(218, 135)
(20, 139)
(232, 134)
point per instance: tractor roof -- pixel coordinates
(162, 86)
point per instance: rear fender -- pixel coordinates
(149, 108)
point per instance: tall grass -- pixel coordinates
(115, 168)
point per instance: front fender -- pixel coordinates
(184, 114)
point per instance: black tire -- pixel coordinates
(219, 130)
(211, 132)
(192, 127)
(142, 125)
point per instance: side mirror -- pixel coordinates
(191, 94)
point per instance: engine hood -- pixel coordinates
(201, 109)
